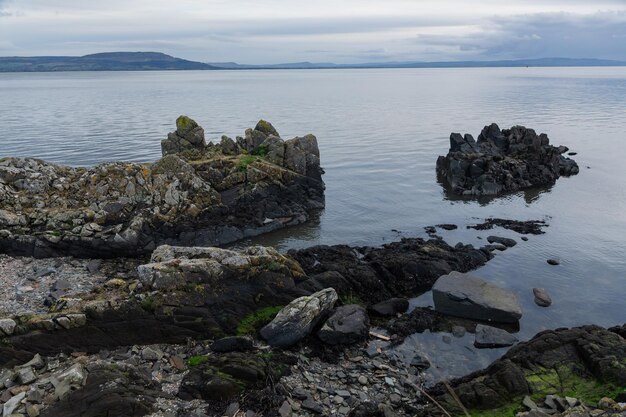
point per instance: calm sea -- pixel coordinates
(380, 132)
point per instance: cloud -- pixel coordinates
(272, 31)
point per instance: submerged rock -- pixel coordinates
(196, 194)
(542, 298)
(502, 161)
(464, 295)
(492, 337)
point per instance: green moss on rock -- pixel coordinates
(254, 321)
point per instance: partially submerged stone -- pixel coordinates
(492, 337)
(464, 295)
(502, 161)
(298, 318)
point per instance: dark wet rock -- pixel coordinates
(423, 319)
(447, 226)
(232, 344)
(502, 161)
(109, 391)
(347, 325)
(195, 195)
(405, 268)
(492, 248)
(390, 307)
(509, 243)
(620, 330)
(572, 153)
(542, 298)
(298, 318)
(492, 337)
(524, 238)
(464, 295)
(554, 361)
(367, 409)
(312, 406)
(553, 262)
(523, 227)
(431, 230)
(226, 377)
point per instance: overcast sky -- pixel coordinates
(341, 31)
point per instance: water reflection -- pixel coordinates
(530, 195)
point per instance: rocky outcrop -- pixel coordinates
(198, 196)
(464, 295)
(502, 161)
(202, 293)
(586, 362)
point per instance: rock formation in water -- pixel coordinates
(197, 194)
(502, 161)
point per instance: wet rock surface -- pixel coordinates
(588, 360)
(502, 161)
(533, 227)
(195, 195)
(464, 295)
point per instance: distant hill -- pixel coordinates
(110, 61)
(156, 61)
(541, 62)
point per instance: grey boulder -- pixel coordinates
(509, 243)
(347, 325)
(390, 307)
(464, 295)
(298, 318)
(542, 298)
(492, 337)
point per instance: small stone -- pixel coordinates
(446, 339)
(7, 326)
(542, 298)
(342, 393)
(493, 337)
(529, 403)
(177, 362)
(285, 409)
(311, 405)
(26, 375)
(553, 261)
(150, 354)
(32, 411)
(509, 243)
(458, 331)
(12, 404)
(389, 381)
(362, 380)
(338, 400)
(420, 363)
(606, 403)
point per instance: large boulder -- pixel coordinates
(464, 295)
(298, 318)
(187, 137)
(347, 325)
(302, 156)
(502, 161)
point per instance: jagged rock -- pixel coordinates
(390, 307)
(492, 337)
(524, 227)
(188, 136)
(464, 295)
(562, 360)
(228, 146)
(298, 318)
(127, 209)
(347, 325)
(266, 128)
(12, 404)
(502, 161)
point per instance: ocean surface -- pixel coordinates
(380, 132)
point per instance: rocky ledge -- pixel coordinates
(564, 372)
(502, 161)
(197, 194)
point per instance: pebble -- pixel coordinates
(362, 380)
(553, 261)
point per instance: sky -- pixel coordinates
(339, 31)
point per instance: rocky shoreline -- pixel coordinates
(116, 300)
(205, 194)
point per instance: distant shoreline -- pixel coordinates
(156, 61)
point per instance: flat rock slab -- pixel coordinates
(509, 243)
(464, 295)
(492, 337)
